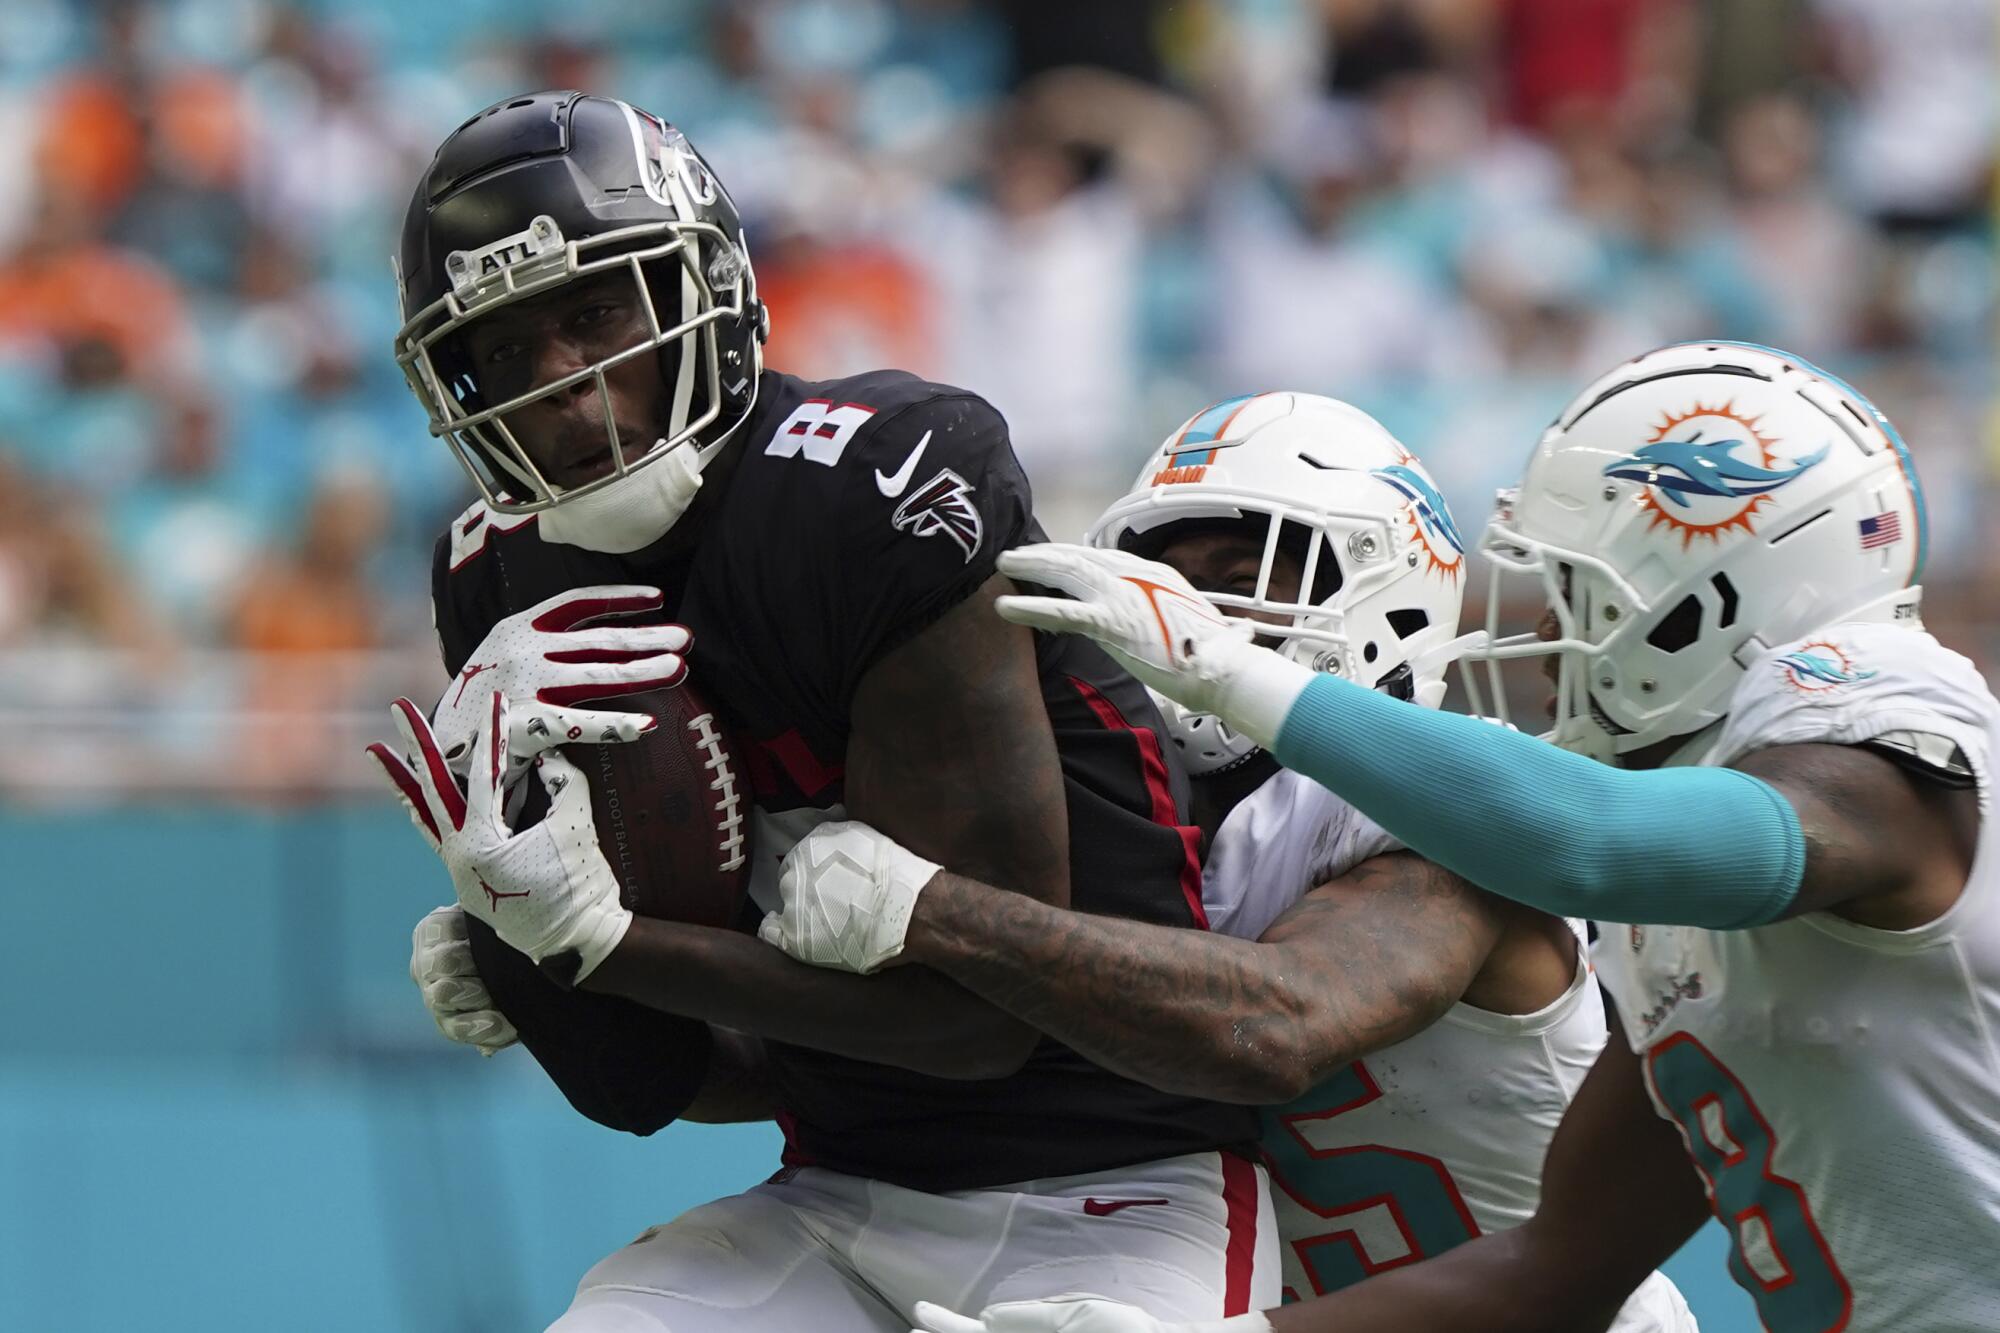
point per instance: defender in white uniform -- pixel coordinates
(1796, 786)
(1839, 1084)
(1424, 1144)
(1473, 1022)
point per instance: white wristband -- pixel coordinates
(1255, 688)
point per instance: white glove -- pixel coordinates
(1160, 629)
(848, 895)
(553, 656)
(1073, 1312)
(441, 965)
(547, 890)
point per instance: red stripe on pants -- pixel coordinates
(1239, 1211)
(1159, 788)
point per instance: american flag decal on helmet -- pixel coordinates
(942, 504)
(1881, 530)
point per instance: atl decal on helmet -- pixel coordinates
(1703, 487)
(1820, 666)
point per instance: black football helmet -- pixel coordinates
(542, 190)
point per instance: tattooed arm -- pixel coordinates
(951, 754)
(1360, 963)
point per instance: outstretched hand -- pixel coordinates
(1158, 627)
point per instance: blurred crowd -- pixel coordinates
(1101, 215)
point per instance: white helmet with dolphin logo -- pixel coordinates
(1693, 508)
(1380, 556)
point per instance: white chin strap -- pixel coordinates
(1430, 668)
(1695, 747)
(632, 513)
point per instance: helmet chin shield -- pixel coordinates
(618, 520)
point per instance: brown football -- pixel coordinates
(672, 810)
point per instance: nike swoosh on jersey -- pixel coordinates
(1106, 1207)
(892, 486)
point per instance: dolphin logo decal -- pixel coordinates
(1680, 468)
(1698, 486)
(1806, 666)
(1432, 512)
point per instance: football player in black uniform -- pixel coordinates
(584, 330)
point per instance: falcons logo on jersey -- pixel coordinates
(942, 504)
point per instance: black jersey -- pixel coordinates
(859, 512)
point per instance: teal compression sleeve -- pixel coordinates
(1708, 847)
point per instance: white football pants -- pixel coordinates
(1185, 1238)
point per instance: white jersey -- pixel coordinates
(1429, 1142)
(1839, 1086)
